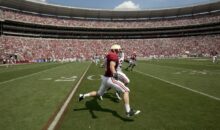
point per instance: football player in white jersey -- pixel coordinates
(214, 56)
(121, 76)
(96, 59)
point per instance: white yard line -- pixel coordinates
(201, 93)
(64, 106)
(29, 75)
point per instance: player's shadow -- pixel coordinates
(93, 105)
(112, 97)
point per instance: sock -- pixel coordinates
(86, 95)
(127, 107)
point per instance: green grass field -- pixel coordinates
(180, 94)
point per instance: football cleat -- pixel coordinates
(132, 112)
(81, 97)
(118, 95)
(100, 97)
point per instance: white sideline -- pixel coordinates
(26, 76)
(64, 106)
(204, 94)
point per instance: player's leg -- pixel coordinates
(123, 78)
(90, 94)
(118, 95)
(130, 64)
(118, 85)
(129, 111)
(103, 88)
(133, 65)
(213, 59)
(100, 92)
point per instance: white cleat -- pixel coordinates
(133, 112)
(118, 96)
(81, 97)
(100, 97)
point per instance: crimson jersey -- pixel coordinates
(110, 57)
(133, 57)
(214, 53)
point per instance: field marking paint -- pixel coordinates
(91, 77)
(66, 79)
(29, 75)
(204, 94)
(64, 106)
(192, 72)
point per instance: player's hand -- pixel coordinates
(115, 75)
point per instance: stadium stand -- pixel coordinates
(33, 49)
(68, 22)
(34, 37)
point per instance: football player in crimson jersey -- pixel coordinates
(214, 56)
(121, 76)
(132, 61)
(110, 80)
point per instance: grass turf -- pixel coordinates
(27, 103)
(163, 105)
(30, 94)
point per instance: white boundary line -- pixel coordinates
(26, 75)
(64, 106)
(204, 94)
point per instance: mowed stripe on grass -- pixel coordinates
(17, 71)
(163, 107)
(24, 73)
(174, 84)
(192, 75)
(27, 103)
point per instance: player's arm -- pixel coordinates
(112, 66)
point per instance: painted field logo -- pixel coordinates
(65, 79)
(94, 77)
(62, 79)
(192, 72)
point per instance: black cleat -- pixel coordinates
(132, 113)
(81, 97)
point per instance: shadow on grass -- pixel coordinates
(112, 97)
(93, 105)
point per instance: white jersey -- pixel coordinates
(121, 76)
(121, 57)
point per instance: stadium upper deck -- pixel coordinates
(110, 14)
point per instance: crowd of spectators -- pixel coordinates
(71, 22)
(1, 15)
(32, 49)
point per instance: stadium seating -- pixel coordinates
(70, 22)
(33, 49)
